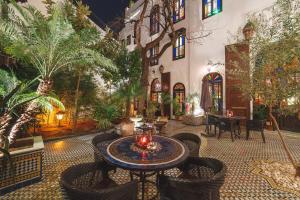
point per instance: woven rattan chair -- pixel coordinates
(103, 140)
(91, 181)
(200, 180)
(100, 140)
(192, 141)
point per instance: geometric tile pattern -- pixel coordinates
(240, 182)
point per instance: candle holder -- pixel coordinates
(143, 136)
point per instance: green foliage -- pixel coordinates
(151, 110)
(125, 77)
(47, 43)
(14, 94)
(275, 54)
(260, 112)
(65, 87)
(105, 113)
(127, 70)
(176, 108)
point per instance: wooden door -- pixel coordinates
(165, 88)
(235, 100)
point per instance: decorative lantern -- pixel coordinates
(144, 136)
(161, 69)
(60, 116)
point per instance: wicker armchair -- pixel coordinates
(192, 141)
(201, 180)
(91, 181)
(102, 139)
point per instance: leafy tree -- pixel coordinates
(125, 77)
(47, 43)
(275, 53)
(14, 95)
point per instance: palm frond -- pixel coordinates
(49, 43)
(47, 103)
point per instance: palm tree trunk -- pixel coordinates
(4, 123)
(75, 116)
(287, 150)
(43, 89)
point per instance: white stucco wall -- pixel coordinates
(191, 70)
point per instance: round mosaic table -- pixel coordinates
(125, 154)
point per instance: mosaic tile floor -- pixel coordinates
(239, 156)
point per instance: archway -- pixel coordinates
(215, 84)
(179, 96)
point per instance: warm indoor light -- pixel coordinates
(59, 116)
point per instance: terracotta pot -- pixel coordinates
(127, 128)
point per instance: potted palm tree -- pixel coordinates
(13, 96)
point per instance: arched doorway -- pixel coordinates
(155, 90)
(179, 96)
(215, 84)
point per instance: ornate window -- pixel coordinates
(179, 47)
(178, 10)
(211, 7)
(155, 90)
(179, 95)
(215, 84)
(153, 53)
(154, 20)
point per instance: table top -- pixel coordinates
(125, 154)
(227, 117)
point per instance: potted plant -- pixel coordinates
(14, 95)
(177, 112)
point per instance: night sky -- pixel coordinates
(107, 10)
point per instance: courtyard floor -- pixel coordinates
(242, 180)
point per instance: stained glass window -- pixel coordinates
(154, 20)
(153, 52)
(178, 10)
(211, 7)
(215, 84)
(179, 96)
(179, 47)
(155, 90)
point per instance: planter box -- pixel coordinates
(27, 167)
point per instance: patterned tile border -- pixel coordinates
(254, 168)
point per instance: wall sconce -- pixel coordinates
(161, 69)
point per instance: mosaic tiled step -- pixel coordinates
(24, 168)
